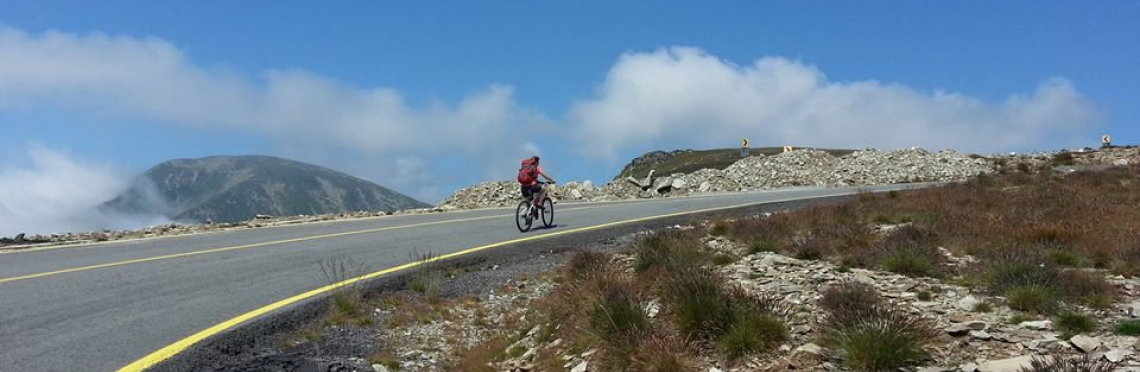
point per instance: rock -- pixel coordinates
(1085, 343)
(977, 325)
(935, 369)
(1134, 309)
(714, 369)
(581, 367)
(811, 349)
(652, 308)
(663, 185)
(1039, 325)
(1120, 162)
(968, 367)
(705, 186)
(379, 368)
(969, 303)
(576, 194)
(957, 330)
(678, 183)
(981, 335)
(1006, 365)
(1117, 355)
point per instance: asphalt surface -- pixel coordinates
(101, 307)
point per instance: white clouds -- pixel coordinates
(686, 97)
(151, 79)
(57, 193)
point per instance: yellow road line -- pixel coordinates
(183, 344)
(254, 245)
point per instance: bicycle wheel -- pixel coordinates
(522, 217)
(547, 213)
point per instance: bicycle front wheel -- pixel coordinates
(522, 217)
(547, 213)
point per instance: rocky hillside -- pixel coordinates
(238, 188)
(688, 161)
(806, 167)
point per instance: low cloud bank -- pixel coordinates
(57, 193)
(689, 98)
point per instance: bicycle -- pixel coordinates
(528, 210)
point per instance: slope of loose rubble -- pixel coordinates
(796, 168)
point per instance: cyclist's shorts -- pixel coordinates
(528, 191)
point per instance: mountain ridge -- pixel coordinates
(224, 188)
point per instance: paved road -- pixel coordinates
(101, 307)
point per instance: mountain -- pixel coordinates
(237, 188)
(688, 161)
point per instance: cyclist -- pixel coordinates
(528, 180)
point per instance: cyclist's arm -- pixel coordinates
(551, 180)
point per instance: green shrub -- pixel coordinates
(1034, 298)
(1065, 257)
(752, 331)
(721, 259)
(706, 306)
(879, 338)
(763, 246)
(662, 354)
(1074, 323)
(1088, 288)
(618, 314)
(668, 249)
(849, 297)
(1128, 327)
(1025, 280)
(719, 228)
(1083, 363)
(700, 302)
(912, 261)
(924, 296)
(587, 263)
(810, 247)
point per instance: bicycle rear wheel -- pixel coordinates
(548, 212)
(523, 219)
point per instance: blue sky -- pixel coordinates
(427, 97)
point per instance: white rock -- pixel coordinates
(1040, 325)
(575, 194)
(1134, 309)
(969, 303)
(1117, 355)
(1006, 365)
(810, 348)
(1120, 162)
(704, 187)
(581, 367)
(1085, 343)
(981, 335)
(678, 183)
(379, 368)
(652, 308)
(714, 369)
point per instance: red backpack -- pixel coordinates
(528, 173)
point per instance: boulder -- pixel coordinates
(969, 303)
(1006, 365)
(1085, 343)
